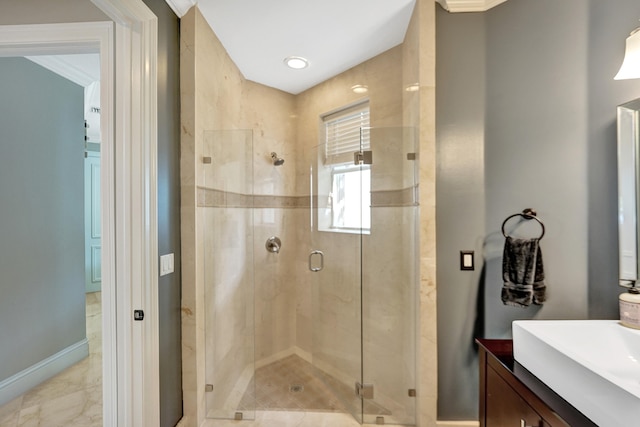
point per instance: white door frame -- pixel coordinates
(128, 187)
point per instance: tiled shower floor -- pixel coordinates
(293, 384)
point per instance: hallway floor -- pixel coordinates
(72, 398)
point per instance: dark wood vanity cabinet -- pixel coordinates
(505, 407)
(510, 396)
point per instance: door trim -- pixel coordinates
(128, 188)
(92, 254)
(135, 216)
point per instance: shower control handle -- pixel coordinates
(273, 244)
(311, 255)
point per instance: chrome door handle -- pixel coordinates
(316, 269)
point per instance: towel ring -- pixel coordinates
(526, 214)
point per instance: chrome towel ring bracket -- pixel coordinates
(527, 214)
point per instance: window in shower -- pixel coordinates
(349, 185)
(350, 197)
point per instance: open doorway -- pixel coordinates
(130, 351)
(55, 361)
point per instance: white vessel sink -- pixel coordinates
(592, 364)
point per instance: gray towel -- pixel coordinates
(522, 273)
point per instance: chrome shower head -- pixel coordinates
(277, 161)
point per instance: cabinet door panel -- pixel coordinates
(505, 408)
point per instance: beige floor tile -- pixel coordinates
(10, 412)
(72, 398)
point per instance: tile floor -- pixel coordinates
(72, 398)
(293, 384)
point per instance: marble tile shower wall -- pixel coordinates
(223, 220)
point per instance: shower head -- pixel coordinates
(277, 161)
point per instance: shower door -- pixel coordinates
(225, 221)
(336, 285)
(363, 263)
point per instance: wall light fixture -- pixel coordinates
(630, 68)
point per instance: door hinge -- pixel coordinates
(363, 158)
(364, 391)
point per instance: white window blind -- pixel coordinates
(346, 132)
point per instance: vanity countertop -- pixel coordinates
(498, 355)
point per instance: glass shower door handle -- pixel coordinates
(313, 255)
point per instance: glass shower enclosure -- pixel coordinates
(346, 278)
(225, 204)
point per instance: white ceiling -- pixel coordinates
(333, 35)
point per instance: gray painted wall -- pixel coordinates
(49, 11)
(169, 210)
(536, 150)
(548, 136)
(42, 295)
(610, 23)
(460, 194)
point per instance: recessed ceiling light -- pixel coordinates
(360, 88)
(296, 62)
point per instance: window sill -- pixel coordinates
(346, 231)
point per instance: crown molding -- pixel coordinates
(469, 5)
(63, 67)
(181, 7)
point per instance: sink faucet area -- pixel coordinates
(593, 364)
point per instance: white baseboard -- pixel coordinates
(26, 379)
(458, 423)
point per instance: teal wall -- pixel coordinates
(42, 298)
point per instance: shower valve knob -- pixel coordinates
(273, 244)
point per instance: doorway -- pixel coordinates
(129, 227)
(92, 229)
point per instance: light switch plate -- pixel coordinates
(467, 260)
(166, 264)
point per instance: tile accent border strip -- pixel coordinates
(212, 198)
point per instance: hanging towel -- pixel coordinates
(522, 273)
